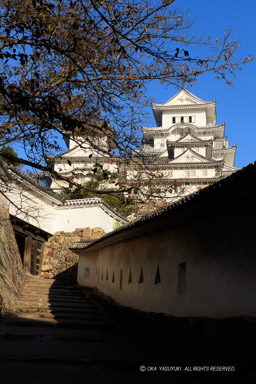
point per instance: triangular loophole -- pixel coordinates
(141, 279)
(158, 277)
(130, 277)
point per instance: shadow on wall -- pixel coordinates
(69, 276)
(171, 340)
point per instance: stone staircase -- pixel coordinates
(49, 303)
(56, 325)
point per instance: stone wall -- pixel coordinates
(58, 260)
(11, 269)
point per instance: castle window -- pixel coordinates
(173, 120)
(86, 273)
(182, 119)
(190, 119)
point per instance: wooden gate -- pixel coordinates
(33, 255)
(30, 242)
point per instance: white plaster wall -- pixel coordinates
(31, 206)
(178, 151)
(199, 117)
(71, 217)
(98, 141)
(200, 150)
(43, 212)
(220, 273)
(160, 142)
(199, 172)
(86, 167)
(173, 136)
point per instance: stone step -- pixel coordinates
(58, 297)
(62, 294)
(40, 305)
(57, 310)
(53, 292)
(57, 316)
(51, 303)
(63, 323)
(42, 286)
(40, 280)
(55, 289)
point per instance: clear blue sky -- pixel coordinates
(235, 105)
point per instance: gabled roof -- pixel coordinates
(189, 137)
(184, 97)
(78, 151)
(164, 154)
(197, 158)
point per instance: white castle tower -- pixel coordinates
(187, 144)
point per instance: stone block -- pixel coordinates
(60, 239)
(46, 267)
(97, 233)
(74, 239)
(54, 245)
(46, 251)
(78, 232)
(87, 233)
(97, 229)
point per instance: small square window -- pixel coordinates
(86, 273)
